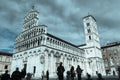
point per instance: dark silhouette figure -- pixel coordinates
(79, 72)
(5, 76)
(88, 77)
(100, 77)
(16, 75)
(29, 75)
(72, 73)
(114, 73)
(23, 73)
(47, 75)
(68, 77)
(60, 71)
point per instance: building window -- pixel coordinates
(89, 30)
(6, 67)
(89, 37)
(34, 70)
(88, 24)
(90, 50)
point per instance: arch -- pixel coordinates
(61, 54)
(56, 54)
(46, 50)
(39, 50)
(52, 51)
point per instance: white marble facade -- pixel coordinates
(38, 51)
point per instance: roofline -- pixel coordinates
(81, 45)
(111, 45)
(63, 41)
(5, 53)
(89, 16)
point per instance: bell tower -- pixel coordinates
(92, 48)
(91, 33)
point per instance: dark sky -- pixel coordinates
(63, 18)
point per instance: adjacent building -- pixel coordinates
(36, 50)
(5, 62)
(111, 57)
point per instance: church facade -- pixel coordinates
(38, 51)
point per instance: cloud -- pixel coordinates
(7, 34)
(61, 17)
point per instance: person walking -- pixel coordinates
(29, 75)
(60, 71)
(72, 73)
(68, 77)
(47, 75)
(88, 77)
(100, 77)
(16, 75)
(23, 73)
(79, 72)
(5, 76)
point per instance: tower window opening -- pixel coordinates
(89, 30)
(34, 70)
(88, 24)
(89, 37)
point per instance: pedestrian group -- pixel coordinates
(71, 74)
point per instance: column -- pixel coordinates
(52, 65)
(46, 61)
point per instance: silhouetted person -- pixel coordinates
(16, 75)
(29, 75)
(113, 73)
(88, 77)
(60, 71)
(68, 76)
(47, 75)
(72, 73)
(79, 72)
(5, 76)
(23, 73)
(100, 77)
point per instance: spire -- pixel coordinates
(88, 13)
(33, 7)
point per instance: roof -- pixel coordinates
(111, 45)
(89, 16)
(5, 53)
(61, 40)
(81, 45)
